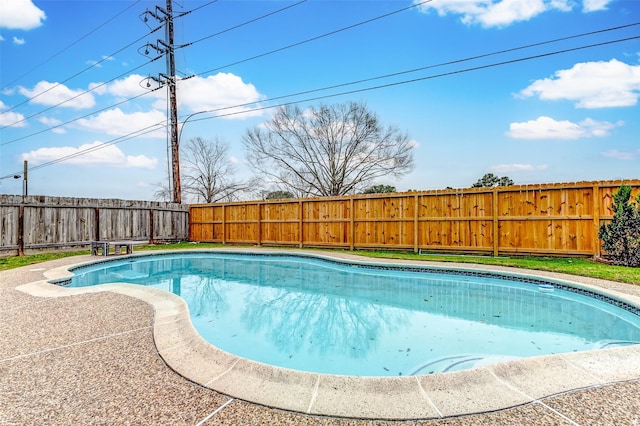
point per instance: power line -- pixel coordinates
(129, 71)
(78, 118)
(235, 27)
(453, 62)
(91, 66)
(242, 61)
(600, 31)
(188, 11)
(82, 94)
(197, 8)
(154, 127)
(248, 59)
(357, 81)
(309, 40)
(70, 45)
(137, 133)
(75, 75)
(414, 80)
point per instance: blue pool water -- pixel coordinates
(315, 315)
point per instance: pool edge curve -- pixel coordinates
(485, 389)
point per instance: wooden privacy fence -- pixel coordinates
(555, 219)
(38, 223)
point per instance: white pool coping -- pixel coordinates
(433, 396)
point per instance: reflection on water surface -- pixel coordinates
(320, 316)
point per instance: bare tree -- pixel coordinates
(207, 172)
(163, 192)
(327, 150)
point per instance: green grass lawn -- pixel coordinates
(567, 265)
(17, 261)
(574, 266)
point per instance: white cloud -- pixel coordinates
(20, 15)
(98, 88)
(547, 128)
(19, 41)
(217, 92)
(118, 123)
(98, 154)
(594, 5)
(49, 94)
(621, 155)
(507, 168)
(49, 121)
(495, 13)
(9, 118)
(233, 160)
(591, 85)
(222, 90)
(141, 161)
(127, 87)
(52, 122)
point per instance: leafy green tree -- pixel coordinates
(490, 180)
(278, 195)
(379, 189)
(621, 237)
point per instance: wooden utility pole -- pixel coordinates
(166, 47)
(173, 106)
(25, 179)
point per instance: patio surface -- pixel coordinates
(78, 356)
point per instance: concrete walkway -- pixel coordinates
(91, 359)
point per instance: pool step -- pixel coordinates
(458, 362)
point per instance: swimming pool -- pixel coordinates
(325, 316)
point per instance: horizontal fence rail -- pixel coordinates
(38, 223)
(551, 219)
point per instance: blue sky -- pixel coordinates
(69, 71)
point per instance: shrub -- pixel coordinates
(379, 189)
(621, 238)
(278, 195)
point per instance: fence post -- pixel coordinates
(21, 230)
(224, 226)
(96, 224)
(300, 223)
(352, 229)
(596, 219)
(259, 224)
(151, 230)
(415, 224)
(496, 225)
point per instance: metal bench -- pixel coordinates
(101, 248)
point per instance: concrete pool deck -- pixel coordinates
(110, 354)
